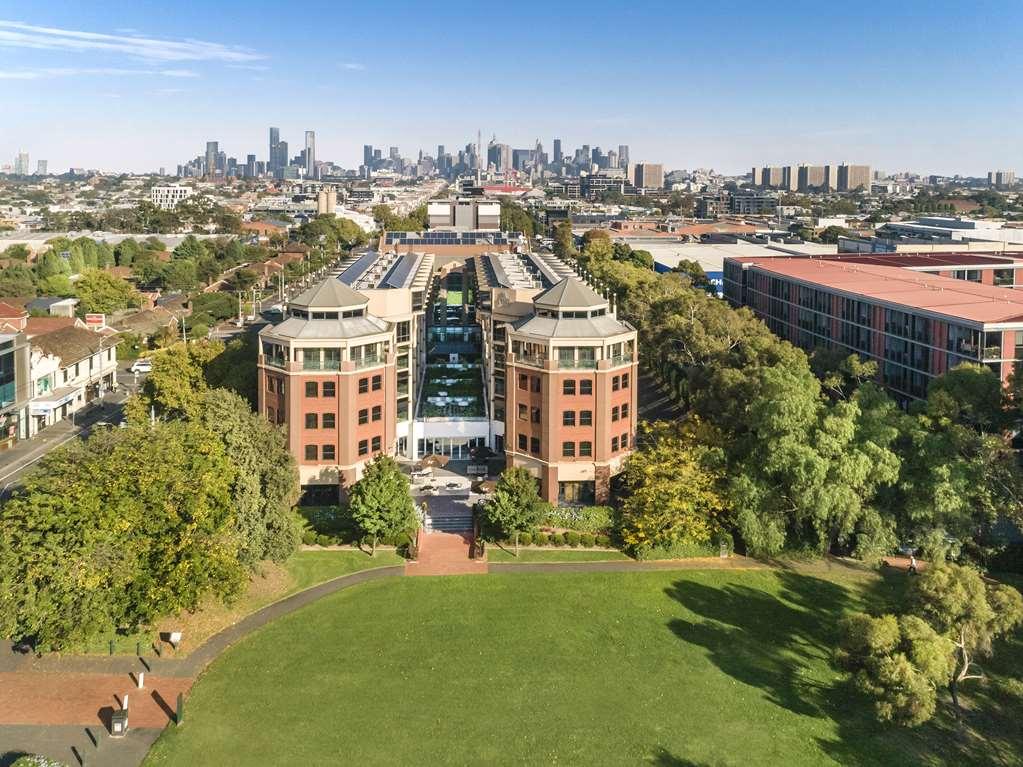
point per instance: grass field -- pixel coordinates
(684, 668)
(497, 554)
(270, 583)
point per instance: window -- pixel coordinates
(586, 418)
(586, 449)
(534, 384)
(310, 452)
(625, 441)
(625, 411)
(403, 331)
(363, 385)
(616, 383)
(378, 381)
(363, 447)
(522, 442)
(364, 416)
(534, 414)
(614, 444)
(310, 420)
(568, 418)
(377, 414)
(586, 387)
(329, 389)
(534, 445)
(614, 413)
(523, 381)
(625, 380)
(568, 449)
(376, 444)
(568, 386)
(328, 453)
(311, 388)
(523, 412)
(328, 421)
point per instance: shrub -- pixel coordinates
(572, 538)
(309, 537)
(587, 539)
(324, 540)
(542, 539)
(586, 519)
(525, 539)
(603, 540)
(558, 539)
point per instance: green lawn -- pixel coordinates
(497, 554)
(309, 567)
(662, 668)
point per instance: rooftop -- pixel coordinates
(570, 293)
(955, 299)
(332, 293)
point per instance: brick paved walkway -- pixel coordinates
(445, 554)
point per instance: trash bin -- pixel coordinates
(119, 724)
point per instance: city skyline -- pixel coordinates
(146, 86)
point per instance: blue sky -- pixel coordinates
(925, 86)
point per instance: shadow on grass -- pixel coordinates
(772, 639)
(664, 758)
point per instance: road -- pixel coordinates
(20, 459)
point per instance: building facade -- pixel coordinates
(915, 325)
(168, 197)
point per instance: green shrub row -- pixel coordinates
(586, 540)
(585, 519)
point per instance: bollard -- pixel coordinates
(124, 706)
(111, 646)
(142, 680)
(181, 709)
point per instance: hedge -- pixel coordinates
(585, 519)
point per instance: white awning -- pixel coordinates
(50, 402)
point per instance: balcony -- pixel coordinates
(276, 362)
(992, 352)
(368, 362)
(531, 360)
(577, 364)
(621, 359)
(314, 364)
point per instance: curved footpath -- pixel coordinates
(60, 706)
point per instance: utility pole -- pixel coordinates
(184, 334)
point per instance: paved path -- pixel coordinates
(445, 554)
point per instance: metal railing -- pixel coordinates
(277, 362)
(577, 364)
(531, 359)
(366, 362)
(621, 359)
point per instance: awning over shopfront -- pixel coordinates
(50, 402)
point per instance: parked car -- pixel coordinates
(142, 366)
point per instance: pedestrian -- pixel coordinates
(912, 565)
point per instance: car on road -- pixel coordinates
(142, 366)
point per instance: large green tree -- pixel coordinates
(381, 502)
(101, 291)
(971, 612)
(515, 505)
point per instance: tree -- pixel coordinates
(116, 530)
(242, 279)
(266, 477)
(515, 505)
(695, 272)
(957, 602)
(830, 234)
(17, 281)
(673, 490)
(564, 241)
(190, 248)
(101, 291)
(179, 274)
(515, 218)
(17, 252)
(900, 662)
(381, 503)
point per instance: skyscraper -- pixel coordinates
(250, 166)
(558, 156)
(649, 175)
(275, 140)
(21, 164)
(212, 150)
(41, 168)
(393, 153)
(623, 155)
(367, 154)
(310, 154)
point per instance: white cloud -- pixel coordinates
(16, 34)
(51, 72)
(353, 66)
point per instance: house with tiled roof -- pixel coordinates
(69, 368)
